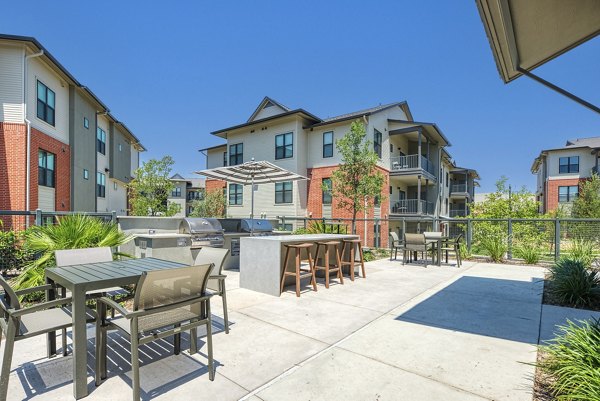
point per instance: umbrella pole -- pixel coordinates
(252, 209)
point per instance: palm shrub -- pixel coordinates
(582, 250)
(531, 253)
(70, 232)
(319, 227)
(573, 283)
(573, 361)
(495, 246)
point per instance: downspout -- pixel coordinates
(28, 146)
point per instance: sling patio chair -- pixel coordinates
(216, 281)
(453, 245)
(18, 323)
(415, 243)
(166, 302)
(395, 244)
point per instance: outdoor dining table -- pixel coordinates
(437, 240)
(93, 276)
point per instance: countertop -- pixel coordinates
(299, 237)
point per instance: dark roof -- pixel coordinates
(262, 120)
(63, 70)
(263, 103)
(177, 177)
(358, 114)
(592, 142)
(223, 145)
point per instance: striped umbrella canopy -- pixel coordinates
(251, 173)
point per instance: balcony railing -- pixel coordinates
(458, 213)
(411, 206)
(461, 188)
(410, 162)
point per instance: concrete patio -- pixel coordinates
(405, 332)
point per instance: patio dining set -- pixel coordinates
(169, 298)
(428, 242)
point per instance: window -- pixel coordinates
(236, 194)
(283, 192)
(176, 192)
(46, 168)
(377, 143)
(568, 194)
(447, 180)
(86, 123)
(120, 147)
(236, 154)
(568, 164)
(86, 174)
(45, 103)
(377, 201)
(115, 186)
(326, 186)
(100, 141)
(391, 191)
(284, 146)
(100, 185)
(328, 144)
(391, 148)
(224, 159)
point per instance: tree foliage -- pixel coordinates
(356, 182)
(149, 190)
(213, 204)
(504, 203)
(587, 204)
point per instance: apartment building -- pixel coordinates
(185, 192)
(420, 177)
(559, 172)
(61, 149)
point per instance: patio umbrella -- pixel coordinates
(251, 173)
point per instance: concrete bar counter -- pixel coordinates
(261, 259)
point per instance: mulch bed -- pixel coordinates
(541, 386)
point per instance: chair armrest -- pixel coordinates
(218, 276)
(113, 304)
(165, 308)
(35, 289)
(39, 307)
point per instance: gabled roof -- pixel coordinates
(302, 112)
(365, 112)
(592, 142)
(267, 102)
(431, 128)
(177, 177)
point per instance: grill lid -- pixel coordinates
(256, 225)
(193, 225)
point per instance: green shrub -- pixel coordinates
(573, 361)
(583, 250)
(13, 255)
(573, 284)
(70, 232)
(319, 227)
(495, 246)
(529, 252)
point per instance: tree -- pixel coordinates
(356, 182)
(213, 204)
(504, 203)
(149, 190)
(587, 204)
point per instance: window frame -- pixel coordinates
(100, 141)
(86, 123)
(225, 159)
(377, 142)
(284, 147)
(570, 195)
(326, 193)
(286, 189)
(86, 174)
(176, 192)
(100, 185)
(46, 175)
(238, 156)
(43, 104)
(570, 167)
(238, 195)
(327, 146)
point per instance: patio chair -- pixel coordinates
(434, 238)
(415, 243)
(453, 245)
(166, 302)
(216, 282)
(395, 244)
(18, 323)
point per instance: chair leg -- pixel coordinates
(311, 264)
(285, 263)
(458, 259)
(352, 257)
(339, 265)
(98, 350)
(297, 272)
(326, 266)
(211, 368)
(7, 359)
(135, 365)
(177, 342)
(224, 299)
(64, 341)
(193, 341)
(362, 261)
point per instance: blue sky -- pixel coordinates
(175, 71)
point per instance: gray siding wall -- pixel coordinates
(83, 152)
(120, 155)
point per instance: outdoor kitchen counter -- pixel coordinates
(261, 259)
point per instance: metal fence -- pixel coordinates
(551, 238)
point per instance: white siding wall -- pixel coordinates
(38, 70)
(586, 162)
(46, 198)
(135, 160)
(214, 157)
(11, 83)
(268, 112)
(181, 200)
(379, 121)
(315, 145)
(116, 197)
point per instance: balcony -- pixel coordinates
(411, 206)
(458, 213)
(411, 162)
(459, 190)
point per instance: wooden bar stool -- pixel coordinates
(327, 267)
(298, 272)
(353, 243)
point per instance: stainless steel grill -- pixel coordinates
(258, 227)
(203, 231)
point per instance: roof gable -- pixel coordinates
(268, 108)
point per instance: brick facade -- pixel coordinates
(551, 193)
(211, 185)
(315, 205)
(13, 142)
